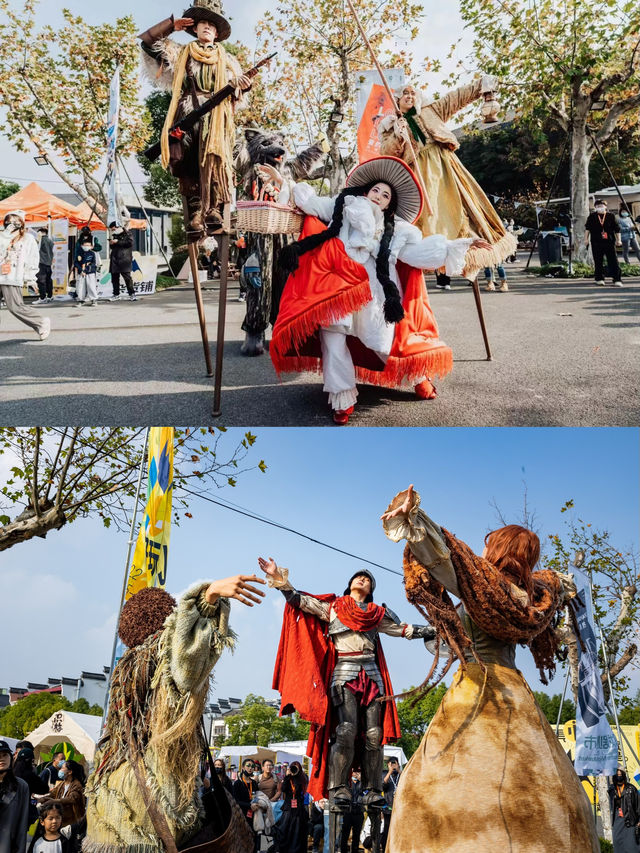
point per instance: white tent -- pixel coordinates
(82, 731)
(237, 754)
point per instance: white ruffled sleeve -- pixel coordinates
(312, 204)
(436, 251)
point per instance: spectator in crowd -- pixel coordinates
(603, 231)
(221, 770)
(316, 823)
(19, 260)
(389, 788)
(353, 820)
(48, 838)
(24, 768)
(268, 783)
(625, 814)
(121, 262)
(14, 805)
(22, 744)
(490, 278)
(69, 792)
(86, 265)
(50, 772)
(244, 788)
(45, 279)
(627, 236)
(292, 828)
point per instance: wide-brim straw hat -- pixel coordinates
(209, 10)
(396, 173)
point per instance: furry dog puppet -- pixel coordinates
(254, 148)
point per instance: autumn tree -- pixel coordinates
(320, 53)
(57, 476)
(257, 722)
(576, 62)
(54, 86)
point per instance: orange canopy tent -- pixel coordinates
(40, 205)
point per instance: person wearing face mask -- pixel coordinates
(244, 788)
(601, 229)
(292, 829)
(628, 236)
(625, 814)
(69, 792)
(86, 265)
(460, 208)
(202, 158)
(14, 805)
(355, 305)
(121, 260)
(221, 770)
(19, 264)
(50, 772)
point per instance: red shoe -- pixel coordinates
(341, 416)
(426, 390)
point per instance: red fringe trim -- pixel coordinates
(436, 362)
(300, 330)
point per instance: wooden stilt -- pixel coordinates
(222, 310)
(195, 275)
(476, 296)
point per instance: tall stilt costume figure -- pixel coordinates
(356, 307)
(489, 746)
(331, 669)
(202, 158)
(266, 148)
(143, 795)
(460, 207)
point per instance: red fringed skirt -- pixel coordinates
(327, 286)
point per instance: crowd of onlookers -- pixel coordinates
(285, 819)
(43, 810)
(51, 802)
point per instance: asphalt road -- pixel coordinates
(564, 354)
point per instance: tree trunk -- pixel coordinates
(28, 525)
(582, 151)
(605, 812)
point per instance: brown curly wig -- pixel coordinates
(144, 614)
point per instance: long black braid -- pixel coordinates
(289, 257)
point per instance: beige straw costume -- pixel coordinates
(160, 689)
(489, 775)
(460, 207)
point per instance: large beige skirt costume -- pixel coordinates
(460, 206)
(489, 775)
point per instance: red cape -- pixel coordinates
(302, 675)
(329, 285)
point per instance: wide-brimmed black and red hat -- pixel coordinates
(209, 10)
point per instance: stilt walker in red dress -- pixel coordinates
(355, 307)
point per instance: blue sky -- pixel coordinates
(332, 485)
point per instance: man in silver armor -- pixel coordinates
(356, 681)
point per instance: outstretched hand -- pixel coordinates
(237, 587)
(480, 244)
(403, 509)
(269, 567)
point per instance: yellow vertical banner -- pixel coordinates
(149, 565)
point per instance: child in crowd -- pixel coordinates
(48, 838)
(87, 266)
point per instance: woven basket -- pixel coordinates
(267, 217)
